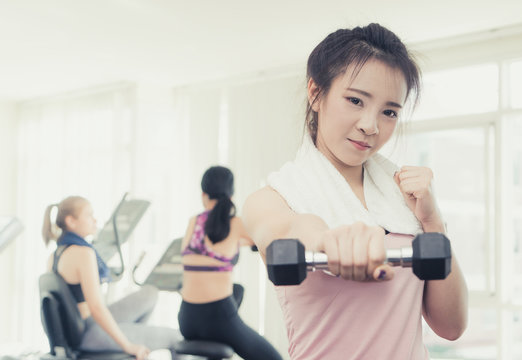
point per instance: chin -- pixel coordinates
(353, 161)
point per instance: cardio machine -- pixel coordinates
(10, 228)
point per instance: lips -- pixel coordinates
(361, 145)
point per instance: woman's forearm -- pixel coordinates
(104, 318)
(445, 302)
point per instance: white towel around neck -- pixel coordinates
(311, 184)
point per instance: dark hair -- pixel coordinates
(218, 183)
(69, 206)
(356, 46)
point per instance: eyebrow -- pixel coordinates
(367, 94)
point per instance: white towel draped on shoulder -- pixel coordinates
(311, 184)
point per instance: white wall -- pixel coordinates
(7, 157)
(8, 153)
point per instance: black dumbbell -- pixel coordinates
(430, 257)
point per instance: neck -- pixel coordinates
(71, 237)
(210, 204)
(72, 233)
(353, 174)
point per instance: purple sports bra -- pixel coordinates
(197, 246)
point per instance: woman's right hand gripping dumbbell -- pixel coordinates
(355, 252)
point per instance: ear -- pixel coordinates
(313, 93)
(70, 222)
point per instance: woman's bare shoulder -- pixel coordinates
(80, 255)
(264, 191)
(264, 200)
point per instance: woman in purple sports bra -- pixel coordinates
(210, 251)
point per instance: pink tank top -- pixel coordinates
(328, 318)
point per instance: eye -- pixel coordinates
(390, 113)
(354, 100)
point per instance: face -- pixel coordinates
(83, 223)
(204, 199)
(359, 114)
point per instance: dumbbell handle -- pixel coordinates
(395, 257)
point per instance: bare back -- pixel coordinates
(208, 286)
(77, 265)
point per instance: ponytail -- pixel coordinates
(218, 183)
(217, 226)
(49, 229)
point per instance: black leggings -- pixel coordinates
(219, 321)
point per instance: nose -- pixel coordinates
(367, 124)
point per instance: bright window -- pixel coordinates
(512, 209)
(515, 84)
(465, 90)
(460, 161)
(471, 140)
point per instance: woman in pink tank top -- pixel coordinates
(359, 81)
